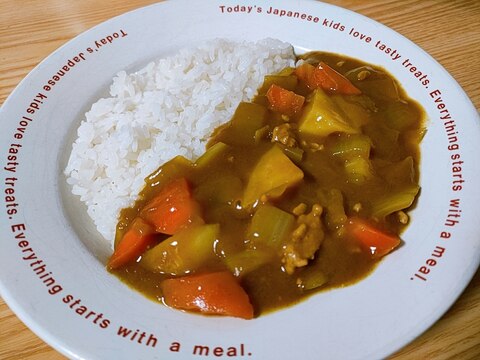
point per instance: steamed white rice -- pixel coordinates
(168, 108)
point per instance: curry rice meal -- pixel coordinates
(301, 183)
(168, 108)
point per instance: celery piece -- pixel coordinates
(270, 226)
(287, 71)
(358, 169)
(394, 201)
(248, 260)
(401, 172)
(272, 175)
(400, 115)
(332, 202)
(288, 82)
(294, 153)
(312, 278)
(172, 169)
(184, 252)
(212, 153)
(261, 134)
(328, 172)
(247, 119)
(378, 84)
(321, 117)
(347, 146)
(380, 88)
(356, 113)
(415, 136)
(223, 188)
(386, 139)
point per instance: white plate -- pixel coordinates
(81, 310)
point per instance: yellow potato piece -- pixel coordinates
(272, 175)
(321, 117)
(184, 252)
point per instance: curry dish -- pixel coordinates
(307, 188)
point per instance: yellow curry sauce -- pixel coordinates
(287, 243)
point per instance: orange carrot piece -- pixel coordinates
(325, 77)
(378, 243)
(306, 74)
(216, 293)
(334, 81)
(284, 101)
(172, 209)
(134, 243)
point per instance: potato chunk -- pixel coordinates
(321, 117)
(272, 175)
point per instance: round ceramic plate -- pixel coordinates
(52, 259)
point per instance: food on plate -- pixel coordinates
(305, 188)
(168, 108)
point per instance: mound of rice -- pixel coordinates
(168, 108)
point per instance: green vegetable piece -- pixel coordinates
(332, 201)
(386, 138)
(322, 116)
(261, 134)
(401, 172)
(394, 201)
(357, 114)
(353, 150)
(380, 88)
(212, 153)
(312, 278)
(400, 115)
(287, 71)
(172, 169)
(358, 169)
(270, 226)
(294, 153)
(247, 261)
(247, 119)
(348, 146)
(219, 188)
(377, 84)
(288, 82)
(271, 176)
(184, 252)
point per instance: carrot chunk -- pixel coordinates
(284, 101)
(134, 243)
(305, 73)
(325, 77)
(172, 209)
(378, 243)
(216, 293)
